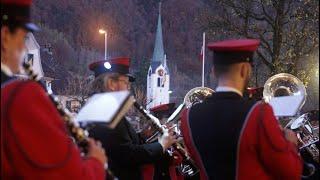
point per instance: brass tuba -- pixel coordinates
(287, 86)
(197, 95)
(194, 96)
(284, 84)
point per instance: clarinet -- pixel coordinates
(189, 167)
(79, 135)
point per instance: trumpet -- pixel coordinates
(187, 167)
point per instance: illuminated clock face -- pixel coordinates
(160, 72)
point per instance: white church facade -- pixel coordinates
(158, 78)
(32, 56)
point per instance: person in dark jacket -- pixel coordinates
(127, 154)
(234, 138)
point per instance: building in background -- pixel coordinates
(33, 57)
(47, 70)
(158, 78)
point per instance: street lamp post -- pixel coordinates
(102, 31)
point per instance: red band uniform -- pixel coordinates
(34, 140)
(234, 138)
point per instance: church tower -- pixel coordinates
(158, 73)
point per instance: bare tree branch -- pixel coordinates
(269, 19)
(265, 61)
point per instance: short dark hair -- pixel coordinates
(221, 69)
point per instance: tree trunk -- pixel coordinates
(278, 30)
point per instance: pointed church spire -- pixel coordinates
(158, 52)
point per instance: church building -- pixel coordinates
(158, 80)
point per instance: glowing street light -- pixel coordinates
(102, 31)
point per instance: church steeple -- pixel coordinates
(158, 52)
(158, 78)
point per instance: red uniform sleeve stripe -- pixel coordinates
(187, 135)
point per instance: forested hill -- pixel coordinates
(71, 27)
(290, 38)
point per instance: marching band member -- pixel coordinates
(234, 138)
(127, 154)
(162, 112)
(34, 140)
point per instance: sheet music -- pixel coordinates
(286, 105)
(102, 107)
